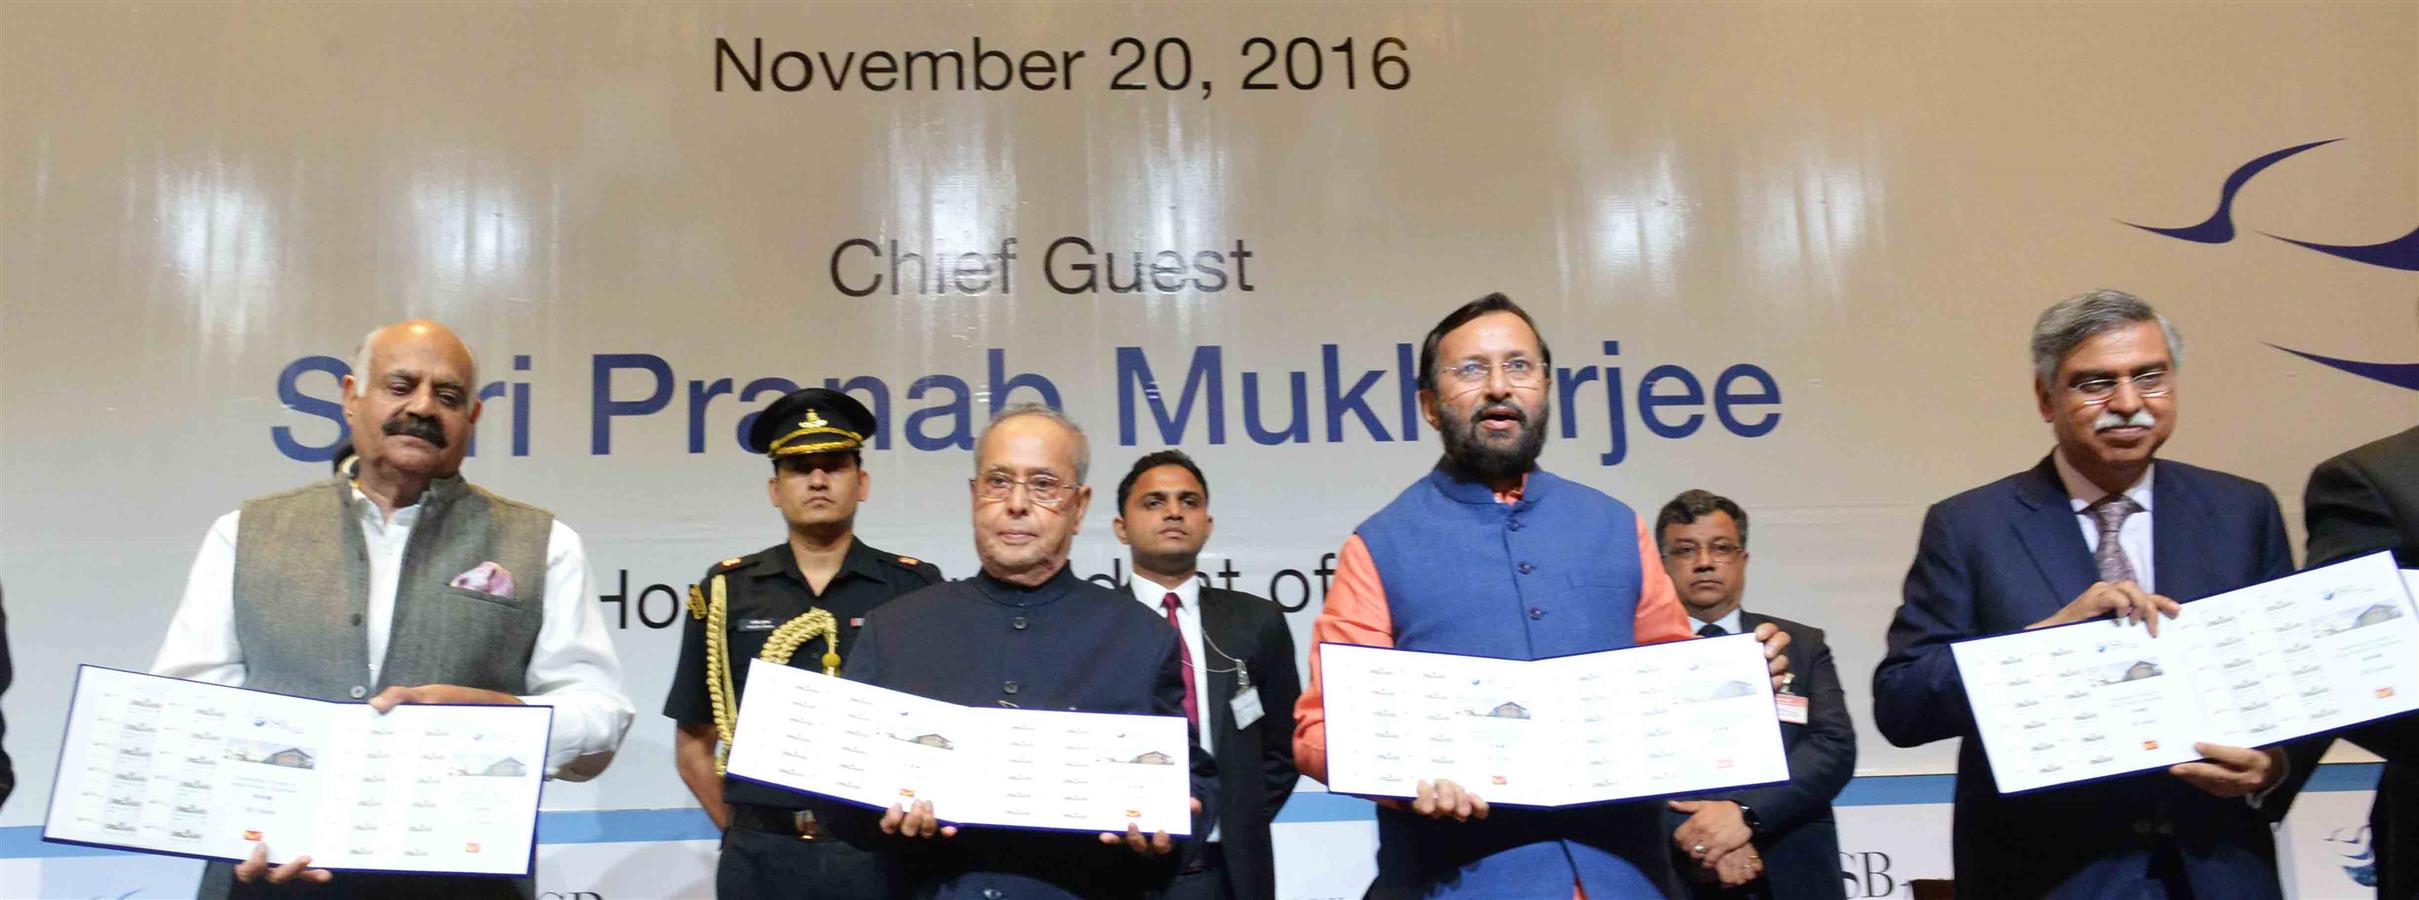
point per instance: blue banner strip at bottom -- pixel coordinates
(616, 826)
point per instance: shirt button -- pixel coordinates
(1018, 623)
(1525, 568)
(359, 692)
(1536, 612)
(992, 894)
(1008, 688)
(1514, 525)
(356, 620)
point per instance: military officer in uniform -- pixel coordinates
(798, 602)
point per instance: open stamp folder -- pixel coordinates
(1673, 718)
(1015, 768)
(182, 768)
(2303, 654)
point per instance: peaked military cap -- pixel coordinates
(811, 420)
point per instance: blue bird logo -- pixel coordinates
(2219, 228)
(2400, 253)
(2360, 866)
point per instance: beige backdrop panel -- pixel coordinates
(1869, 202)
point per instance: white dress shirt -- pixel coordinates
(1188, 622)
(2133, 536)
(1731, 622)
(572, 668)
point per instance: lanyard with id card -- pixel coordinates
(1245, 705)
(1788, 706)
(1246, 702)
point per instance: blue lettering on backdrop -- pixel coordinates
(1671, 402)
(289, 392)
(331, 408)
(1134, 376)
(600, 432)
(959, 411)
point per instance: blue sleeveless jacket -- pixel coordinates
(1554, 574)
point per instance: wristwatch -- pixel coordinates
(1755, 823)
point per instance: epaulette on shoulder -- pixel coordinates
(931, 574)
(697, 593)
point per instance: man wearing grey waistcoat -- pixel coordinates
(401, 584)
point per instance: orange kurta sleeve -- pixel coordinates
(1660, 616)
(1355, 613)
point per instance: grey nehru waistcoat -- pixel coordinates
(301, 606)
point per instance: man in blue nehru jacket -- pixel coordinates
(1489, 555)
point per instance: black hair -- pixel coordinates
(1693, 504)
(1491, 303)
(1125, 486)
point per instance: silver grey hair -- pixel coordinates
(361, 363)
(2083, 316)
(1083, 445)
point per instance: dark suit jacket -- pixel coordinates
(1067, 645)
(2361, 502)
(1255, 764)
(2002, 556)
(1799, 841)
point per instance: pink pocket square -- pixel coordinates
(486, 578)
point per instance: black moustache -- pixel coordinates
(421, 427)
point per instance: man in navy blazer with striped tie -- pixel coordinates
(2098, 530)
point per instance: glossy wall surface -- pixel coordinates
(1801, 244)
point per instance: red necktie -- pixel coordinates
(1184, 652)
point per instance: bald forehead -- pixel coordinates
(426, 348)
(1020, 443)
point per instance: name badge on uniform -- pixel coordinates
(749, 625)
(1246, 707)
(1789, 707)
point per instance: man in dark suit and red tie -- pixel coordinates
(1776, 842)
(2358, 503)
(1240, 682)
(2099, 530)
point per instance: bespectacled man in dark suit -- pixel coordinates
(1777, 842)
(1240, 682)
(2100, 529)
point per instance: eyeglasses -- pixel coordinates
(1520, 371)
(1722, 551)
(1043, 490)
(2100, 390)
